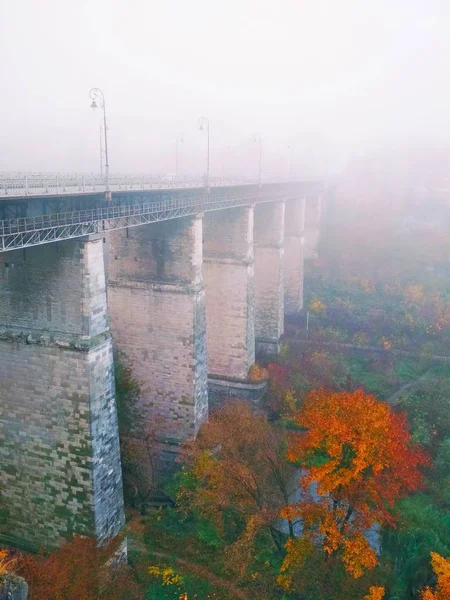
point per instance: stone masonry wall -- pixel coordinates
(59, 288)
(313, 215)
(269, 280)
(60, 467)
(293, 256)
(157, 308)
(229, 282)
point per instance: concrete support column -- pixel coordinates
(229, 282)
(313, 216)
(157, 310)
(60, 471)
(293, 256)
(269, 279)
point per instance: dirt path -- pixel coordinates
(396, 395)
(204, 573)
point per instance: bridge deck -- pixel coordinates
(28, 186)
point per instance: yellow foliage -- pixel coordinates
(367, 286)
(358, 556)
(297, 550)
(441, 568)
(290, 403)
(167, 575)
(6, 564)
(317, 305)
(257, 373)
(385, 343)
(284, 581)
(414, 294)
(375, 593)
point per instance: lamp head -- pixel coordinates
(203, 123)
(94, 104)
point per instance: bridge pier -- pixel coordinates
(269, 280)
(59, 446)
(293, 256)
(157, 307)
(313, 216)
(229, 281)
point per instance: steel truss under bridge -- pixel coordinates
(44, 229)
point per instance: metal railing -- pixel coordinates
(31, 231)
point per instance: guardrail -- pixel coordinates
(32, 231)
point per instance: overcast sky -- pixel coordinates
(344, 75)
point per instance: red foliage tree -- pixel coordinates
(357, 460)
(78, 570)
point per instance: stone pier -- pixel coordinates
(157, 309)
(229, 281)
(293, 256)
(59, 446)
(269, 279)
(313, 216)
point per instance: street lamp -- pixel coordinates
(179, 140)
(203, 123)
(97, 95)
(258, 139)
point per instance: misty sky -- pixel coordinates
(332, 77)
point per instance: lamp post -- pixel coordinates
(97, 95)
(179, 140)
(258, 139)
(101, 148)
(203, 123)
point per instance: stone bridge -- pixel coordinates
(189, 285)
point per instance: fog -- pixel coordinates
(321, 80)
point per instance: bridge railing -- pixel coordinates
(32, 185)
(30, 231)
(35, 223)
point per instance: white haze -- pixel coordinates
(331, 77)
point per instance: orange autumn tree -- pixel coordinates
(441, 568)
(375, 593)
(238, 460)
(357, 459)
